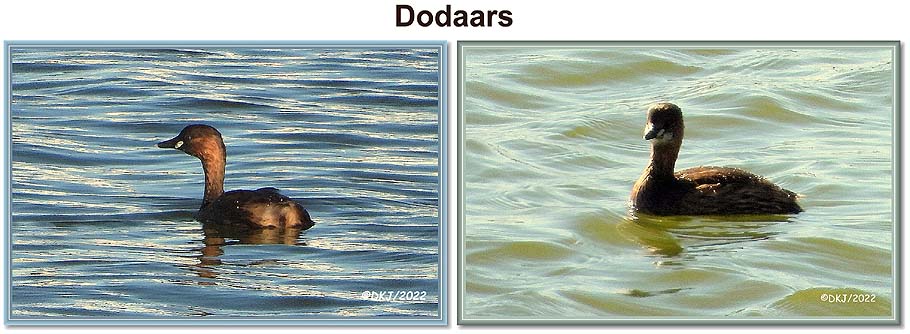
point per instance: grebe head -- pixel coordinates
(204, 142)
(665, 124)
(199, 140)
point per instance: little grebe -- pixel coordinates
(700, 190)
(263, 207)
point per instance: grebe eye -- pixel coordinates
(178, 144)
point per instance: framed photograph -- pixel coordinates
(678, 182)
(263, 183)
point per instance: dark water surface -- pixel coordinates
(102, 220)
(553, 143)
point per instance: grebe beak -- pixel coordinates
(652, 132)
(175, 142)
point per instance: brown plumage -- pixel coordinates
(263, 207)
(700, 190)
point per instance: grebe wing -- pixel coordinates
(706, 175)
(733, 190)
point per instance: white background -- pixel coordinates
(258, 20)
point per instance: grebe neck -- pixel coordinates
(213, 166)
(663, 160)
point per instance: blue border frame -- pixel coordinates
(443, 93)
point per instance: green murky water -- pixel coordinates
(552, 146)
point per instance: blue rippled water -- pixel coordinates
(102, 221)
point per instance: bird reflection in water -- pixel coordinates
(219, 235)
(670, 237)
